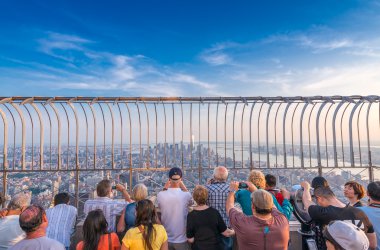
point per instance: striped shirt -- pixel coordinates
(217, 196)
(61, 223)
(111, 208)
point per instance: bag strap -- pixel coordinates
(109, 242)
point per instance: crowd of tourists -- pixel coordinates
(250, 214)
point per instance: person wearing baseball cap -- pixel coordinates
(266, 220)
(174, 202)
(342, 235)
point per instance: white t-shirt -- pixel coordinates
(174, 204)
(10, 231)
(42, 243)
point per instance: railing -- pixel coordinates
(63, 134)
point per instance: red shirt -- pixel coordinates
(103, 243)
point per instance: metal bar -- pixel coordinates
(208, 136)
(148, 135)
(23, 134)
(317, 132)
(77, 167)
(258, 133)
(334, 133)
(199, 144)
(174, 153)
(191, 135)
(5, 154)
(94, 118)
(130, 148)
(165, 156)
(267, 133)
(156, 156)
(308, 131)
(140, 148)
(50, 135)
(358, 130)
(294, 111)
(41, 135)
(104, 136)
(14, 136)
(225, 136)
(283, 133)
(86, 119)
(241, 134)
(112, 137)
(275, 132)
(121, 134)
(233, 133)
(32, 123)
(350, 133)
(368, 138)
(327, 155)
(341, 131)
(182, 135)
(59, 134)
(216, 134)
(250, 137)
(301, 135)
(68, 135)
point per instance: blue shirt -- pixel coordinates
(130, 215)
(243, 197)
(61, 223)
(373, 214)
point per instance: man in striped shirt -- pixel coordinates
(62, 219)
(110, 207)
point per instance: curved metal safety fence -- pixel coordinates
(81, 134)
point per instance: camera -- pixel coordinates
(243, 185)
(113, 187)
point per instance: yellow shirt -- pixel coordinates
(133, 239)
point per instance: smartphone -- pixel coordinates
(243, 185)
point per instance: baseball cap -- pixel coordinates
(347, 235)
(262, 199)
(174, 172)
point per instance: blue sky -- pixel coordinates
(189, 48)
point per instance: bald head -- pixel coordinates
(32, 218)
(220, 173)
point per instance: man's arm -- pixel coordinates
(182, 186)
(306, 196)
(234, 186)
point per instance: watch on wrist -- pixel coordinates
(164, 189)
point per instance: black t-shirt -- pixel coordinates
(322, 216)
(206, 227)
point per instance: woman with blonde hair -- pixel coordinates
(256, 180)
(128, 217)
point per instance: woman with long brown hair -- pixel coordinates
(147, 233)
(95, 234)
